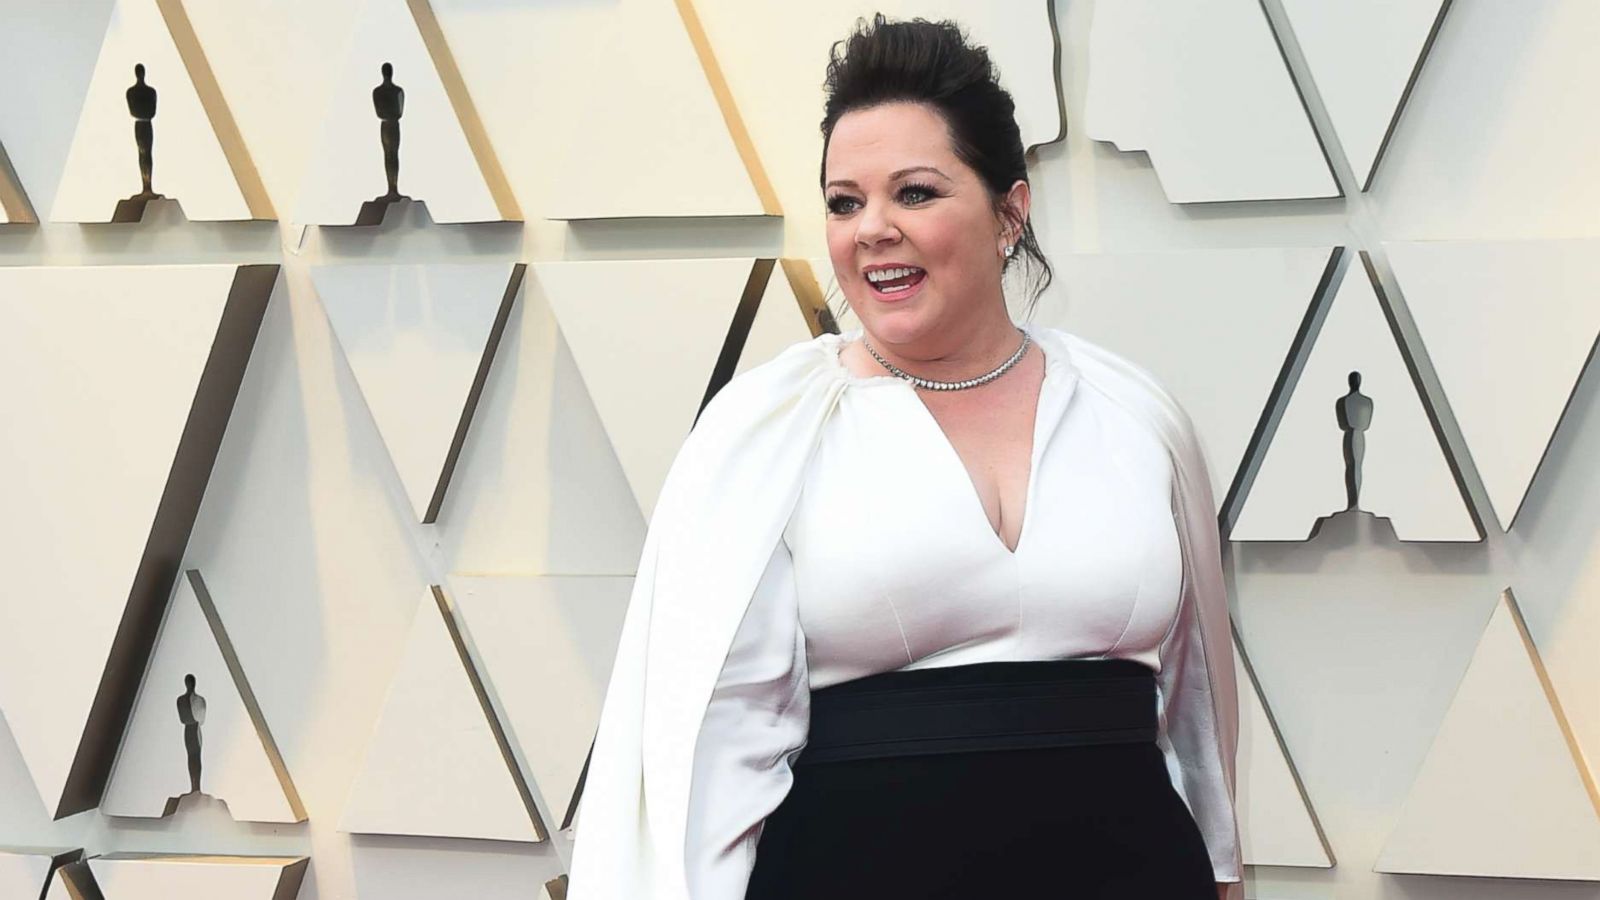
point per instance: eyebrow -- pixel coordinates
(893, 176)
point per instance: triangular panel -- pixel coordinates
(74, 881)
(1531, 308)
(538, 487)
(121, 381)
(546, 645)
(15, 209)
(212, 731)
(436, 763)
(1202, 88)
(782, 318)
(175, 130)
(406, 116)
(831, 295)
(420, 340)
(647, 336)
(1245, 306)
(16, 782)
(1363, 56)
(25, 873)
(1276, 824)
(1504, 791)
(128, 876)
(659, 135)
(1402, 470)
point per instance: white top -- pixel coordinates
(889, 562)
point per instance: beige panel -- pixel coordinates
(162, 877)
(109, 367)
(1534, 303)
(646, 335)
(1406, 476)
(1363, 56)
(641, 130)
(411, 781)
(240, 762)
(74, 881)
(1276, 824)
(14, 205)
(546, 645)
(26, 872)
(1244, 306)
(1505, 790)
(538, 487)
(1202, 88)
(420, 340)
(190, 164)
(782, 318)
(345, 182)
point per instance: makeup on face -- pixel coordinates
(910, 227)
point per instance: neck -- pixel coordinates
(956, 353)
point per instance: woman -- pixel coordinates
(932, 608)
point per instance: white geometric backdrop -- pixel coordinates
(446, 439)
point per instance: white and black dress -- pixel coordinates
(891, 607)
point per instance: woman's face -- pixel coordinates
(898, 198)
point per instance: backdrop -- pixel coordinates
(376, 471)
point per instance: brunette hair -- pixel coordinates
(932, 63)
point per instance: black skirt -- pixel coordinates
(1015, 779)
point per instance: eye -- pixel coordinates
(917, 193)
(840, 204)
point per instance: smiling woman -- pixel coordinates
(928, 203)
(932, 608)
(975, 127)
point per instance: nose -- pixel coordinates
(875, 225)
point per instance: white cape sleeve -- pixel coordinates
(707, 553)
(1191, 720)
(1198, 699)
(755, 724)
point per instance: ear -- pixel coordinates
(1017, 202)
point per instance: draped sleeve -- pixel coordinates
(709, 554)
(754, 726)
(1197, 694)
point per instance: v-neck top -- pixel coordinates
(889, 562)
(897, 566)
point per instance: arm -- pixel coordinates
(1199, 702)
(759, 713)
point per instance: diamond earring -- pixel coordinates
(1010, 249)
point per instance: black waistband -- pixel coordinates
(983, 706)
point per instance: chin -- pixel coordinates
(896, 326)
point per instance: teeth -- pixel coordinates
(891, 274)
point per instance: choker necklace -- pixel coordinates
(950, 385)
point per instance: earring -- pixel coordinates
(1010, 249)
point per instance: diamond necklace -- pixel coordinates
(932, 385)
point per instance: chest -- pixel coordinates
(895, 565)
(991, 436)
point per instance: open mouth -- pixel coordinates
(895, 282)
